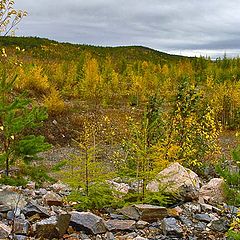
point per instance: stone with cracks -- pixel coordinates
(88, 222)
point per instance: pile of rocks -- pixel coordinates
(41, 214)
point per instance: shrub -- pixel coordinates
(232, 178)
(38, 174)
(53, 102)
(100, 196)
(13, 181)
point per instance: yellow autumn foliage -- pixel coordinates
(53, 101)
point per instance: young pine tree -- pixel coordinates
(17, 117)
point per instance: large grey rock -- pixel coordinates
(171, 227)
(88, 222)
(177, 180)
(53, 227)
(213, 192)
(33, 208)
(145, 212)
(122, 225)
(52, 199)
(5, 231)
(11, 199)
(186, 221)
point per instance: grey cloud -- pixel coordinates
(166, 25)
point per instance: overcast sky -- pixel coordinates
(187, 27)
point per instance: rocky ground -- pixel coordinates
(30, 213)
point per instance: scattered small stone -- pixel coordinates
(219, 225)
(31, 185)
(192, 207)
(200, 226)
(109, 236)
(141, 224)
(203, 217)
(171, 227)
(231, 209)
(117, 216)
(186, 221)
(189, 220)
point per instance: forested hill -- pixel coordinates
(64, 76)
(72, 51)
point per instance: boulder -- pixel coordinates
(52, 199)
(122, 225)
(177, 180)
(213, 192)
(53, 227)
(171, 227)
(88, 222)
(145, 212)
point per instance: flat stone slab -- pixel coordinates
(145, 212)
(122, 225)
